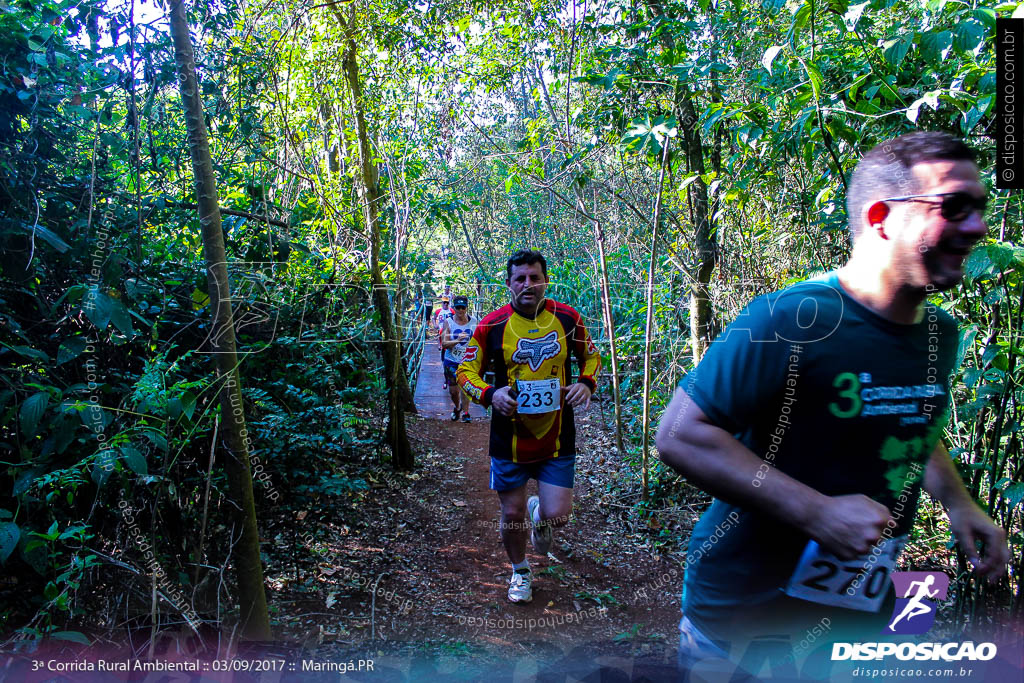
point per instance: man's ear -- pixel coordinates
(875, 215)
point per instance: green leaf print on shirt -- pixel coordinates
(907, 459)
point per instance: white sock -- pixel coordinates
(525, 564)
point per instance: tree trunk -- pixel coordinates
(649, 325)
(705, 239)
(609, 325)
(472, 247)
(253, 618)
(399, 395)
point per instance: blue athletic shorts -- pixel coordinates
(450, 371)
(507, 475)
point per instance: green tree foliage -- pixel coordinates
(492, 127)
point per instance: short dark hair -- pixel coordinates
(885, 170)
(525, 257)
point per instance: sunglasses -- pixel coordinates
(955, 206)
(460, 308)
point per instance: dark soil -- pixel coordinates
(429, 543)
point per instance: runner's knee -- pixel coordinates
(556, 514)
(513, 512)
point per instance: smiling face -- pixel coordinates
(928, 249)
(527, 284)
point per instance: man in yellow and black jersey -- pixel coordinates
(530, 344)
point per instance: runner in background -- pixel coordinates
(440, 315)
(530, 343)
(455, 334)
(428, 302)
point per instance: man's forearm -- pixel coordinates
(846, 525)
(979, 537)
(942, 481)
(724, 467)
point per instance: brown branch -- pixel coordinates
(241, 214)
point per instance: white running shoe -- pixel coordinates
(540, 534)
(519, 586)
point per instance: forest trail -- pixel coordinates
(445, 572)
(432, 401)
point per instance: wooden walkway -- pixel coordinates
(432, 400)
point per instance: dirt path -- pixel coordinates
(430, 544)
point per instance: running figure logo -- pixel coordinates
(916, 595)
(536, 351)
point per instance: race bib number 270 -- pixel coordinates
(858, 584)
(539, 396)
